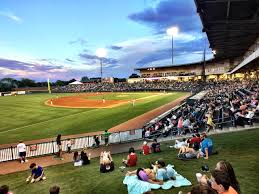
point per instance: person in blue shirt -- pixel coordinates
(206, 147)
(37, 174)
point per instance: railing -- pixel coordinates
(50, 147)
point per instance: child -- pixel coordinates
(37, 174)
(69, 145)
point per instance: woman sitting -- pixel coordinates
(106, 162)
(227, 168)
(77, 159)
(131, 159)
(85, 157)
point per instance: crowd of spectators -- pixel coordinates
(137, 86)
(232, 103)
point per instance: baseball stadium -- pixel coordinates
(189, 127)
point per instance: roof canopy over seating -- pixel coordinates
(232, 26)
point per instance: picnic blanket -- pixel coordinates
(136, 186)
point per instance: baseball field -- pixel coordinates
(38, 116)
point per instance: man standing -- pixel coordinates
(22, 151)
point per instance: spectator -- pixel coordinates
(106, 162)
(85, 157)
(131, 158)
(179, 144)
(69, 145)
(21, 147)
(146, 175)
(206, 147)
(97, 141)
(37, 174)
(163, 172)
(220, 181)
(210, 123)
(145, 148)
(77, 159)
(4, 189)
(58, 141)
(155, 146)
(227, 168)
(54, 189)
(195, 139)
(106, 135)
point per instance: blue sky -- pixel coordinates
(58, 38)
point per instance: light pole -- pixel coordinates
(172, 32)
(101, 53)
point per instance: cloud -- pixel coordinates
(79, 41)
(70, 60)
(116, 47)
(11, 16)
(169, 13)
(95, 59)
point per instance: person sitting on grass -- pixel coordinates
(4, 189)
(189, 153)
(77, 159)
(37, 174)
(106, 162)
(54, 189)
(220, 181)
(226, 167)
(206, 147)
(145, 148)
(178, 144)
(146, 175)
(85, 157)
(131, 158)
(155, 146)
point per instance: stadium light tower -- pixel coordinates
(101, 53)
(173, 31)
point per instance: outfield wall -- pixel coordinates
(46, 148)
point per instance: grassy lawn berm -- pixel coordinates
(239, 148)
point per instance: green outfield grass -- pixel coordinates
(26, 117)
(239, 148)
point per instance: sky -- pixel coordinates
(58, 39)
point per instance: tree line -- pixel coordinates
(9, 84)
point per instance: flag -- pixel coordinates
(49, 89)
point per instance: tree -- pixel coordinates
(7, 84)
(85, 79)
(61, 83)
(72, 80)
(27, 83)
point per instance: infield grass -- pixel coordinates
(239, 148)
(26, 117)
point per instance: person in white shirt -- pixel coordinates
(22, 152)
